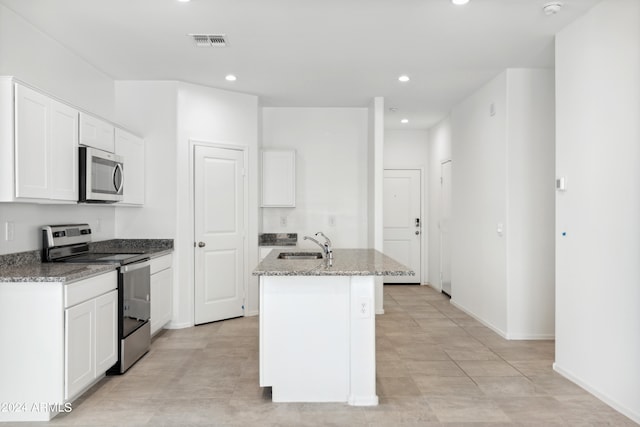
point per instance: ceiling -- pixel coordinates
(313, 53)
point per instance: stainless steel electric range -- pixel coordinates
(70, 243)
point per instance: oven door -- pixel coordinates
(101, 176)
(136, 290)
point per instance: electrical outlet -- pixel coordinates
(283, 221)
(364, 308)
(9, 231)
(332, 221)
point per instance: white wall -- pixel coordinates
(502, 178)
(409, 149)
(479, 149)
(28, 220)
(331, 172)
(169, 115)
(33, 57)
(375, 178)
(439, 151)
(150, 109)
(217, 116)
(531, 203)
(598, 151)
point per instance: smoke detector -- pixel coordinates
(209, 40)
(552, 7)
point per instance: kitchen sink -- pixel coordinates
(300, 255)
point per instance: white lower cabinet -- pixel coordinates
(106, 331)
(80, 365)
(91, 341)
(161, 292)
(65, 342)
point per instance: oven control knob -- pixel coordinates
(201, 244)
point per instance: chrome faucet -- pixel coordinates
(326, 246)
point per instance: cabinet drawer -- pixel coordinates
(161, 263)
(84, 290)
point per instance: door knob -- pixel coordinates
(201, 244)
(417, 232)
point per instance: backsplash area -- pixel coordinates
(27, 220)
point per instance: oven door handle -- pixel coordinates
(135, 266)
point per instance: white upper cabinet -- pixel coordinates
(278, 178)
(64, 152)
(131, 148)
(39, 138)
(33, 143)
(46, 138)
(96, 133)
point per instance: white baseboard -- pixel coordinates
(251, 313)
(380, 311)
(363, 400)
(532, 337)
(479, 319)
(628, 412)
(174, 325)
(499, 331)
(434, 287)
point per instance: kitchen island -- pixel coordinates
(317, 326)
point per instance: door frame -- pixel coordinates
(424, 228)
(192, 176)
(440, 276)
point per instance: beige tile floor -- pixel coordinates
(436, 367)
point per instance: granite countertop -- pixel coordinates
(346, 262)
(52, 272)
(28, 267)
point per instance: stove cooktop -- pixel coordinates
(100, 258)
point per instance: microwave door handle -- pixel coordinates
(115, 184)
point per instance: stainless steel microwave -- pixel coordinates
(101, 176)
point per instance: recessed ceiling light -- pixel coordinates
(404, 78)
(184, 1)
(404, 121)
(459, 2)
(230, 78)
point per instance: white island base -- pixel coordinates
(317, 339)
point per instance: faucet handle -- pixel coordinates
(320, 233)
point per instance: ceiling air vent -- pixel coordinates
(209, 40)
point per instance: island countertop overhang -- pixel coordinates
(346, 262)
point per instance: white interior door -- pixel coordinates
(219, 232)
(402, 221)
(445, 231)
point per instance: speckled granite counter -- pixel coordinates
(152, 247)
(52, 272)
(27, 266)
(346, 262)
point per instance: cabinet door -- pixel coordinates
(32, 143)
(80, 367)
(131, 148)
(278, 178)
(161, 299)
(96, 133)
(64, 152)
(106, 331)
